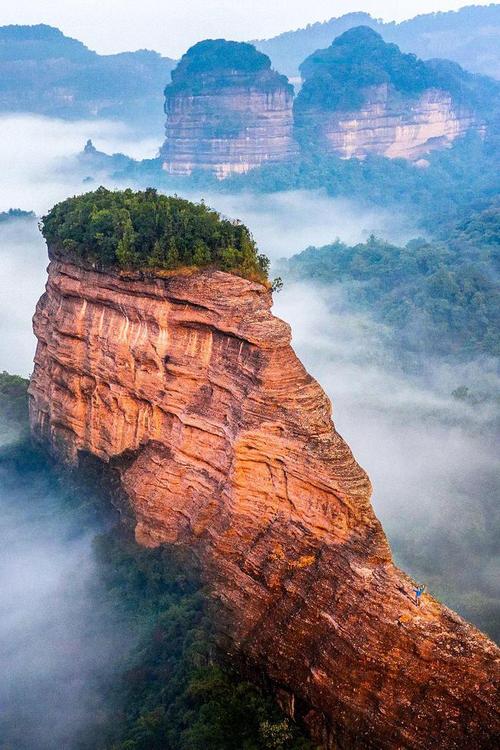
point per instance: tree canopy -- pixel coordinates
(335, 77)
(438, 297)
(147, 230)
(217, 63)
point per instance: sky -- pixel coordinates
(170, 26)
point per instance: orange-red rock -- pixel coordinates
(189, 387)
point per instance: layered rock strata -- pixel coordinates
(224, 115)
(389, 125)
(189, 389)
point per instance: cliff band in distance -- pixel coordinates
(227, 111)
(395, 129)
(188, 388)
(362, 96)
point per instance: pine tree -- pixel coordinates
(172, 260)
(157, 257)
(201, 255)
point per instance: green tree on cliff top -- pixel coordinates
(141, 230)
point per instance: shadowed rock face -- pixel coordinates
(189, 389)
(227, 111)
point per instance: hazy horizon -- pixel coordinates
(110, 26)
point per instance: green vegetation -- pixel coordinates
(45, 72)
(467, 36)
(13, 407)
(456, 180)
(439, 297)
(218, 63)
(170, 688)
(15, 213)
(146, 230)
(335, 78)
(175, 692)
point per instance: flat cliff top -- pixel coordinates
(149, 231)
(217, 64)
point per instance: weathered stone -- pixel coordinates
(223, 443)
(224, 118)
(392, 126)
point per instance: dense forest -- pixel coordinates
(147, 230)
(468, 36)
(216, 61)
(334, 78)
(456, 180)
(439, 297)
(172, 689)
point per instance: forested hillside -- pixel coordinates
(469, 36)
(438, 297)
(45, 72)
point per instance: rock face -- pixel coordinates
(394, 127)
(188, 388)
(362, 96)
(227, 111)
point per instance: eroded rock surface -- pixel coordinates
(189, 388)
(227, 111)
(394, 127)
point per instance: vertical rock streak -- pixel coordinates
(189, 388)
(391, 126)
(228, 131)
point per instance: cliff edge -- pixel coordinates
(227, 111)
(362, 96)
(187, 388)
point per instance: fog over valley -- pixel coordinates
(188, 555)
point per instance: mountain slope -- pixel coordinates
(45, 72)
(364, 96)
(469, 36)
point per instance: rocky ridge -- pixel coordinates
(187, 389)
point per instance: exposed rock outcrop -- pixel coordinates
(189, 389)
(227, 111)
(362, 96)
(394, 127)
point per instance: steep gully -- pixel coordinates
(187, 389)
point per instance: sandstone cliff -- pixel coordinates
(188, 389)
(391, 126)
(362, 96)
(227, 111)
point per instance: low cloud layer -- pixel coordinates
(33, 151)
(432, 459)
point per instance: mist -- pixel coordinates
(34, 155)
(58, 642)
(432, 459)
(37, 160)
